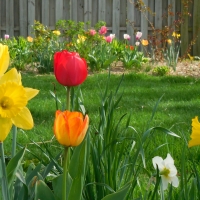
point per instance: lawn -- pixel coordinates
(178, 105)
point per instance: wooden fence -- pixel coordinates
(17, 16)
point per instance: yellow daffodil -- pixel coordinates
(4, 59)
(195, 136)
(81, 38)
(174, 34)
(169, 41)
(29, 39)
(13, 100)
(56, 32)
(191, 57)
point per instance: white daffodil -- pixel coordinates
(167, 170)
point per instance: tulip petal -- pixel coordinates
(6, 125)
(61, 129)
(30, 92)
(24, 119)
(11, 75)
(4, 59)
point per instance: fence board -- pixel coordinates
(73, 10)
(130, 20)
(31, 15)
(116, 18)
(87, 10)
(23, 27)
(102, 10)
(59, 10)
(144, 22)
(184, 30)
(45, 12)
(10, 17)
(196, 28)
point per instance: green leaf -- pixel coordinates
(13, 166)
(43, 192)
(57, 186)
(119, 195)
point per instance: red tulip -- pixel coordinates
(69, 68)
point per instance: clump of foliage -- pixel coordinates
(161, 70)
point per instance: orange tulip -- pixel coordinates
(70, 127)
(144, 42)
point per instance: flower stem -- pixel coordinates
(4, 174)
(14, 141)
(65, 171)
(68, 97)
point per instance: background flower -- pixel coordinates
(103, 30)
(138, 35)
(127, 37)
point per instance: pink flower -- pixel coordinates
(127, 37)
(138, 35)
(103, 30)
(6, 36)
(92, 32)
(109, 39)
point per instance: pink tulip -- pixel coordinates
(127, 37)
(103, 30)
(6, 36)
(138, 35)
(92, 32)
(108, 39)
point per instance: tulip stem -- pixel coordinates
(4, 174)
(14, 140)
(65, 171)
(68, 97)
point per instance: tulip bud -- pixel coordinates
(69, 68)
(70, 127)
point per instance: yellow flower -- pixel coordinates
(70, 127)
(81, 38)
(144, 42)
(56, 32)
(174, 34)
(30, 39)
(195, 136)
(191, 57)
(169, 41)
(4, 59)
(13, 100)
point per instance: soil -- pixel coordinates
(183, 68)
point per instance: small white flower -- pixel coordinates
(112, 36)
(6, 36)
(127, 37)
(167, 170)
(137, 43)
(138, 35)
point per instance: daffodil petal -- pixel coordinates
(165, 181)
(24, 119)
(175, 181)
(4, 59)
(30, 92)
(6, 125)
(169, 159)
(11, 75)
(158, 161)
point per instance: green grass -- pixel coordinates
(179, 104)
